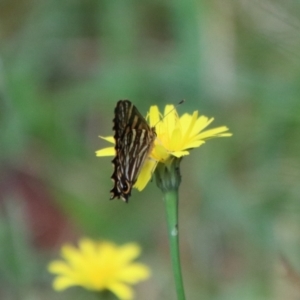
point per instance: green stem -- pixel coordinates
(168, 179)
(171, 205)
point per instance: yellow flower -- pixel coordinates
(175, 137)
(99, 266)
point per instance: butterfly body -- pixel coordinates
(134, 140)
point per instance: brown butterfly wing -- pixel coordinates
(134, 141)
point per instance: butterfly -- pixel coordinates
(134, 141)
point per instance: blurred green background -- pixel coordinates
(63, 67)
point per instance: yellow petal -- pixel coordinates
(185, 118)
(145, 174)
(176, 139)
(201, 123)
(215, 132)
(59, 267)
(170, 119)
(180, 153)
(108, 138)
(187, 123)
(110, 151)
(193, 144)
(134, 273)
(106, 245)
(160, 129)
(72, 255)
(61, 283)
(122, 291)
(107, 251)
(160, 153)
(87, 248)
(154, 116)
(128, 252)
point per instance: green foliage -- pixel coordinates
(64, 65)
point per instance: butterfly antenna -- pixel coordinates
(179, 103)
